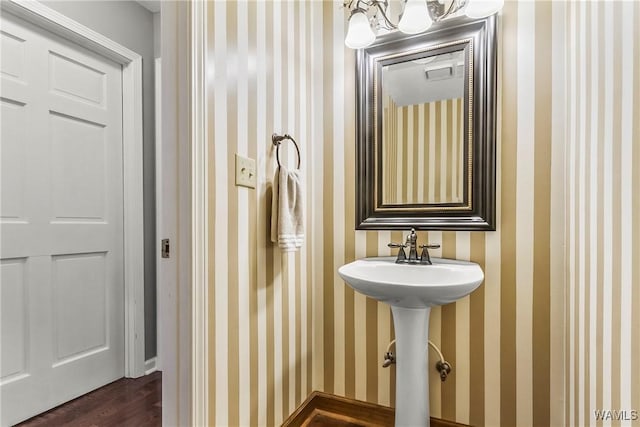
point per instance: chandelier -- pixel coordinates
(370, 18)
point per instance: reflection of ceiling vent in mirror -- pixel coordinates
(444, 73)
(439, 73)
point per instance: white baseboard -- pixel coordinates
(150, 366)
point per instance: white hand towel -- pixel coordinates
(287, 227)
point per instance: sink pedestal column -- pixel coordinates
(411, 327)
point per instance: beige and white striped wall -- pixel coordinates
(265, 75)
(282, 325)
(603, 210)
(420, 164)
(508, 358)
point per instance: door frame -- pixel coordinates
(131, 62)
(183, 296)
(161, 200)
(200, 213)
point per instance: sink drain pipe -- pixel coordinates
(442, 366)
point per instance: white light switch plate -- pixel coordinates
(245, 171)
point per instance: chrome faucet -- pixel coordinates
(412, 240)
(411, 243)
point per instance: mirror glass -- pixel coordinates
(422, 146)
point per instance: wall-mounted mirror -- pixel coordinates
(426, 129)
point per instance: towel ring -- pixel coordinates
(277, 140)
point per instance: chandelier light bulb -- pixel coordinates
(415, 18)
(359, 34)
(483, 8)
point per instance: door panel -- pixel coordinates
(14, 317)
(79, 305)
(13, 161)
(12, 55)
(61, 246)
(78, 168)
(76, 79)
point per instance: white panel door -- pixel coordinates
(61, 220)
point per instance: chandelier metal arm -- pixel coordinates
(369, 16)
(437, 14)
(459, 4)
(384, 14)
(380, 5)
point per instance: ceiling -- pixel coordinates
(151, 5)
(428, 79)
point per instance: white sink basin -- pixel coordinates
(412, 285)
(411, 290)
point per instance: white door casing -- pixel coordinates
(63, 244)
(160, 203)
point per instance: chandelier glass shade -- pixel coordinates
(482, 8)
(359, 34)
(415, 18)
(369, 16)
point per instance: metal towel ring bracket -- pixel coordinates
(277, 140)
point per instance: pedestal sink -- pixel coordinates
(411, 290)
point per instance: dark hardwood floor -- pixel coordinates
(126, 402)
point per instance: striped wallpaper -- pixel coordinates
(283, 325)
(416, 152)
(265, 71)
(603, 211)
(507, 357)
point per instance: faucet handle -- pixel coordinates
(402, 256)
(396, 245)
(425, 258)
(434, 246)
